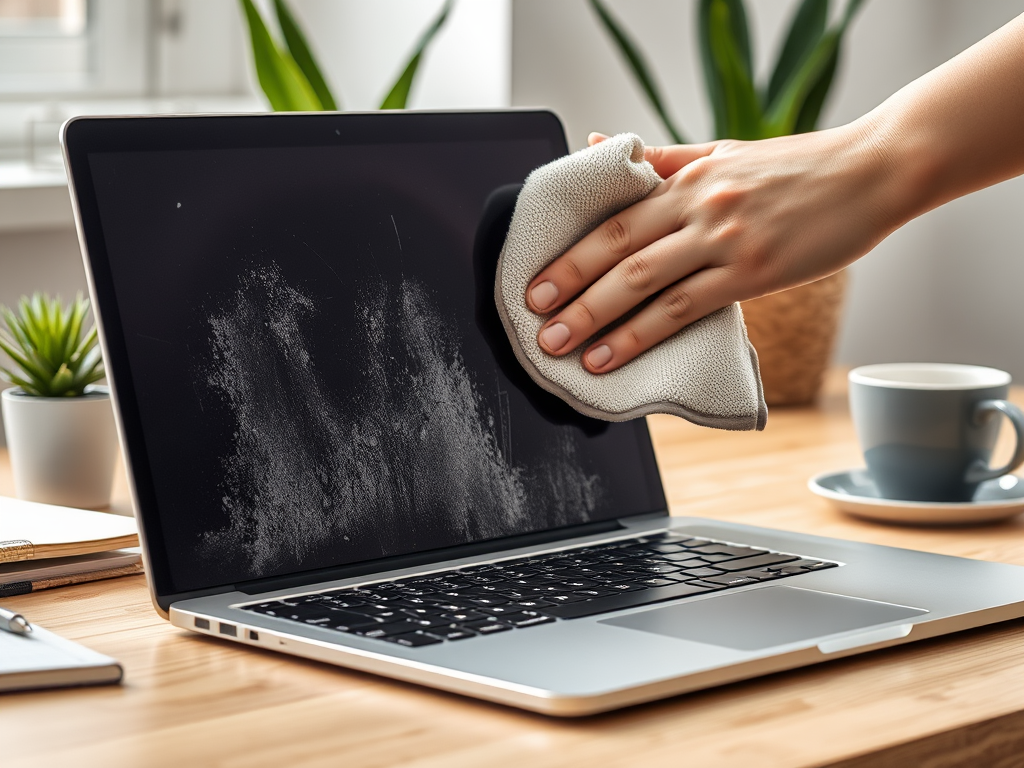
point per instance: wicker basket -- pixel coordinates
(794, 332)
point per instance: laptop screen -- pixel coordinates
(316, 366)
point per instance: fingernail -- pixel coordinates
(599, 356)
(595, 137)
(555, 336)
(544, 295)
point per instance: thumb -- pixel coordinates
(666, 160)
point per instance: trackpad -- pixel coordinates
(762, 618)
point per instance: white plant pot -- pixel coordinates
(62, 449)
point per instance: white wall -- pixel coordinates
(942, 288)
(363, 47)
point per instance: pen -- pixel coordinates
(14, 622)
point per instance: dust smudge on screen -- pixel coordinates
(418, 455)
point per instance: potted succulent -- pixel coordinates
(59, 424)
(793, 331)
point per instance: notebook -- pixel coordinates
(32, 531)
(42, 659)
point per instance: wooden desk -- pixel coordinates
(189, 701)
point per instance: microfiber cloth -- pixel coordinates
(706, 373)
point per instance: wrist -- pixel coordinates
(902, 162)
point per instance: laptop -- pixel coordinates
(333, 452)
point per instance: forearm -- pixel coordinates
(955, 130)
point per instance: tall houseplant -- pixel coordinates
(59, 425)
(288, 72)
(793, 331)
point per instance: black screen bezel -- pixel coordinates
(82, 136)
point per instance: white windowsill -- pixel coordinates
(33, 198)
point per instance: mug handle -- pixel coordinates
(980, 471)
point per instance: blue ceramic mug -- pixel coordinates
(928, 429)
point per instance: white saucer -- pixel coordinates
(854, 491)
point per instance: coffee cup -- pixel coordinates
(927, 430)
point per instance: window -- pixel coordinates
(43, 45)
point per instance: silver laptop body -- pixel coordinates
(260, 490)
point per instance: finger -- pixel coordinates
(683, 303)
(633, 280)
(622, 235)
(669, 160)
(595, 138)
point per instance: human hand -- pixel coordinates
(732, 221)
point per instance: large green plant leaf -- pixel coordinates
(807, 120)
(805, 31)
(631, 53)
(283, 83)
(742, 109)
(716, 87)
(799, 103)
(398, 96)
(303, 56)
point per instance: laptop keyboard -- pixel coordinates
(530, 591)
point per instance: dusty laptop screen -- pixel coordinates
(318, 367)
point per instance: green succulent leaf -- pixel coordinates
(281, 79)
(638, 65)
(742, 109)
(805, 31)
(44, 339)
(303, 55)
(398, 96)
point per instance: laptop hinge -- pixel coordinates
(423, 558)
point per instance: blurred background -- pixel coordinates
(944, 288)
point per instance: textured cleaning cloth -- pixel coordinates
(706, 373)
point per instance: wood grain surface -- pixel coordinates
(193, 701)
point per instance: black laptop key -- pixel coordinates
(303, 612)
(419, 612)
(573, 584)
(461, 617)
(627, 586)
(525, 619)
(531, 605)
(387, 630)
(655, 581)
(731, 580)
(591, 592)
(685, 559)
(450, 633)
(628, 600)
(414, 639)
(700, 573)
(347, 621)
(346, 602)
(488, 601)
(761, 561)
(499, 610)
(487, 627)
(564, 599)
(762, 574)
(661, 568)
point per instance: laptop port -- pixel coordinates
(202, 623)
(228, 629)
